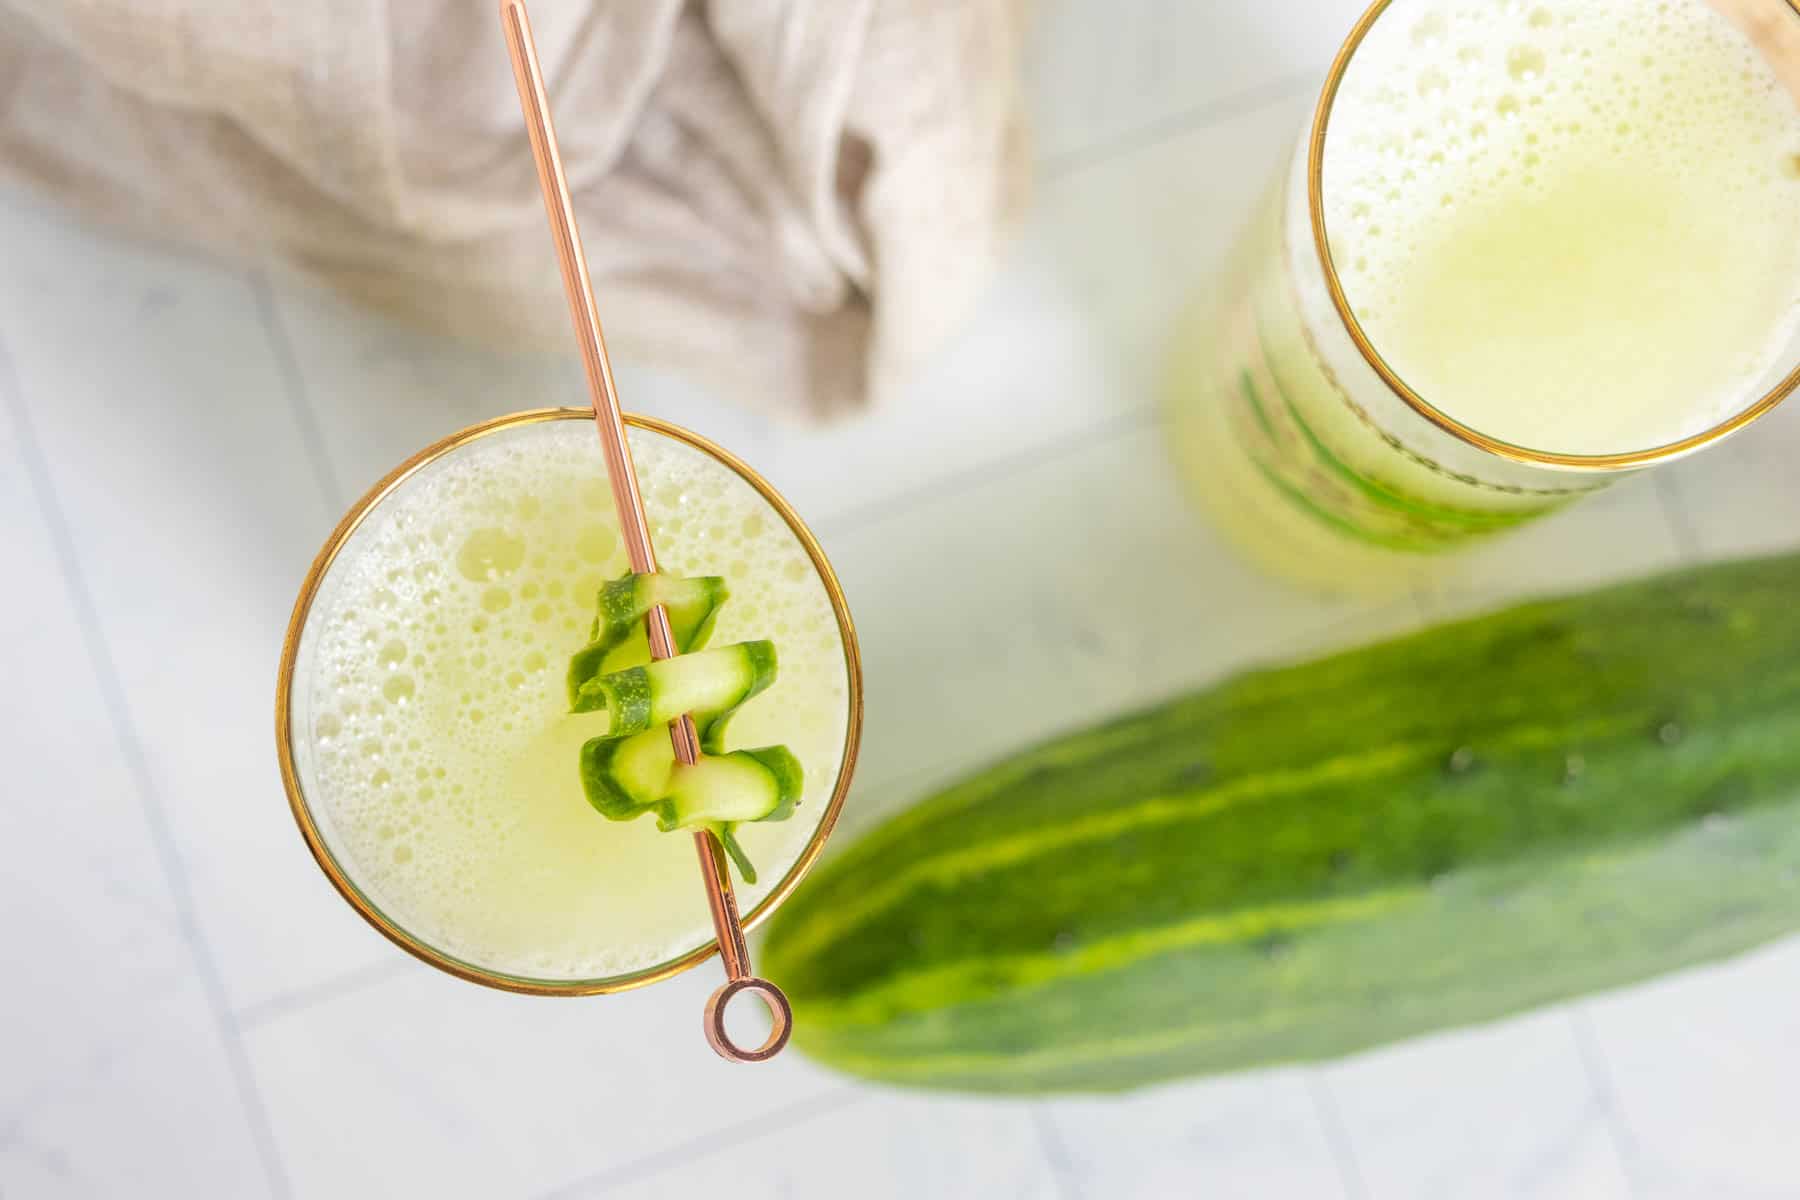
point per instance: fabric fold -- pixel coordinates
(790, 200)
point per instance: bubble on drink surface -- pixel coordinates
(1428, 31)
(477, 686)
(1525, 64)
(597, 543)
(489, 554)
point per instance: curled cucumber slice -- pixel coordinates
(745, 785)
(710, 684)
(629, 767)
(617, 639)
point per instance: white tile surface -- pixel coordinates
(240, 416)
(1141, 233)
(115, 1060)
(424, 1085)
(377, 391)
(1071, 642)
(1140, 68)
(1245, 1135)
(1504, 1110)
(1703, 1069)
(1743, 496)
(870, 1145)
(194, 512)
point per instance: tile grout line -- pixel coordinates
(1593, 1064)
(297, 1000)
(1189, 120)
(836, 1099)
(1337, 1138)
(162, 836)
(1675, 516)
(1424, 601)
(293, 386)
(1056, 1154)
(853, 520)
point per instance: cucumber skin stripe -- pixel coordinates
(1303, 862)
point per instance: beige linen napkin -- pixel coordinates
(791, 199)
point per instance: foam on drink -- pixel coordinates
(434, 738)
(1574, 226)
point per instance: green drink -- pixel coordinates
(434, 760)
(1527, 248)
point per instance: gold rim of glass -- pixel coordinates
(1315, 180)
(398, 934)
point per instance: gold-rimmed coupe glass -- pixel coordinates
(300, 682)
(1307, 446)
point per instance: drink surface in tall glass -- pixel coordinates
(1526, 248)
(429, 749)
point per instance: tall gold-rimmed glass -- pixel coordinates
(303, 691)
(1296, 429)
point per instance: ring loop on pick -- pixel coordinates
(781, 1016)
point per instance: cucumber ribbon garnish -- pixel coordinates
(630, 768)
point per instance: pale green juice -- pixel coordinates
(430, 717)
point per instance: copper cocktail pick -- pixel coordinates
(634, 528)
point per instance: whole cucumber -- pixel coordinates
(1302, 862)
